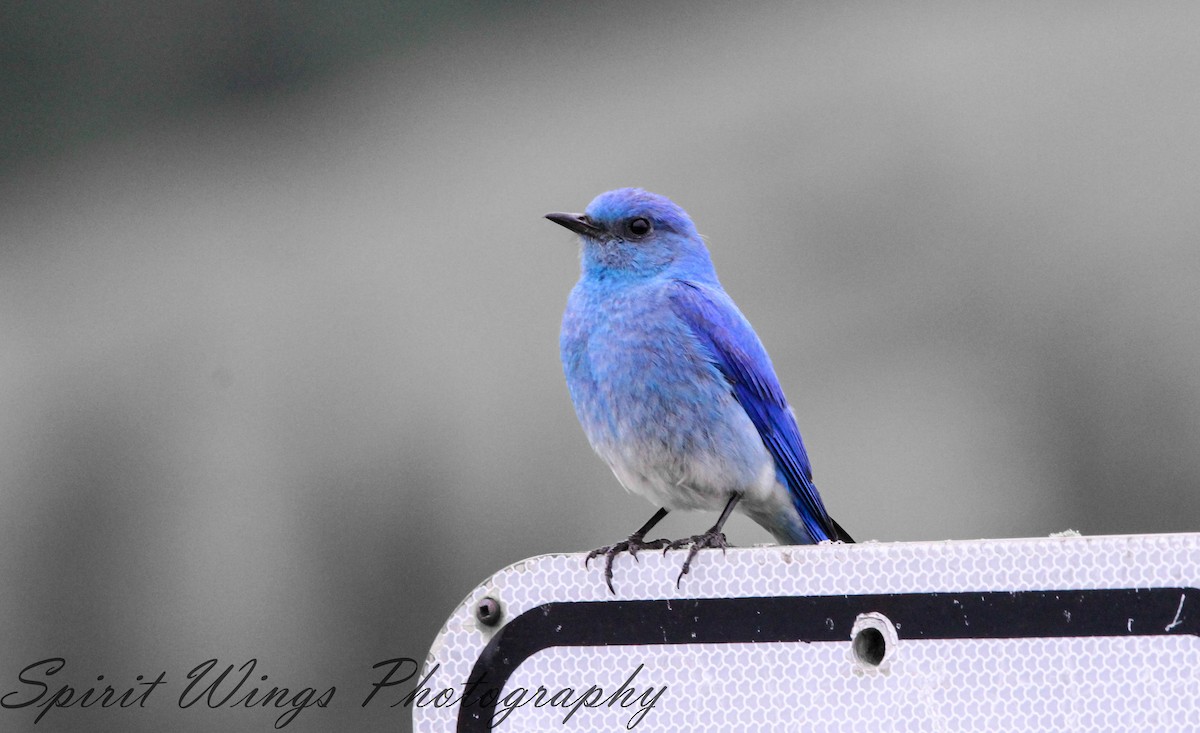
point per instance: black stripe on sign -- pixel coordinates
(989, 615)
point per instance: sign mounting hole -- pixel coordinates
(870, 647)
(873, 641)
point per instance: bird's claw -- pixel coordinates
(633, 545)
(712, 539)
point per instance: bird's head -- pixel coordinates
(630, 233)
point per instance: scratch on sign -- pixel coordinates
(1178, 612)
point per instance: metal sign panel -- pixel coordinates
(1055, 634)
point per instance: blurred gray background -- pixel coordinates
(279, 312)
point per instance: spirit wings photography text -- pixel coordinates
(45, 685)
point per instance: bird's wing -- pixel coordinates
(736, 351)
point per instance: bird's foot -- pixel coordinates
(712, 539)
(633, 546)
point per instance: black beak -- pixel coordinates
(578, 223)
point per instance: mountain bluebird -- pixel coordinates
(671, 384)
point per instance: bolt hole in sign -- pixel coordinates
(1054, 634)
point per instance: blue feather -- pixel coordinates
(735, 350)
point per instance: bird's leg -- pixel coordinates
(637, 541)
(713, 538)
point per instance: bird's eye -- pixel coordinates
(639, 226)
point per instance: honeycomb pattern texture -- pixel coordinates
(1109, 683)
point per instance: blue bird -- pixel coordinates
(672, 386)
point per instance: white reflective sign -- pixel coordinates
(1057, 634)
